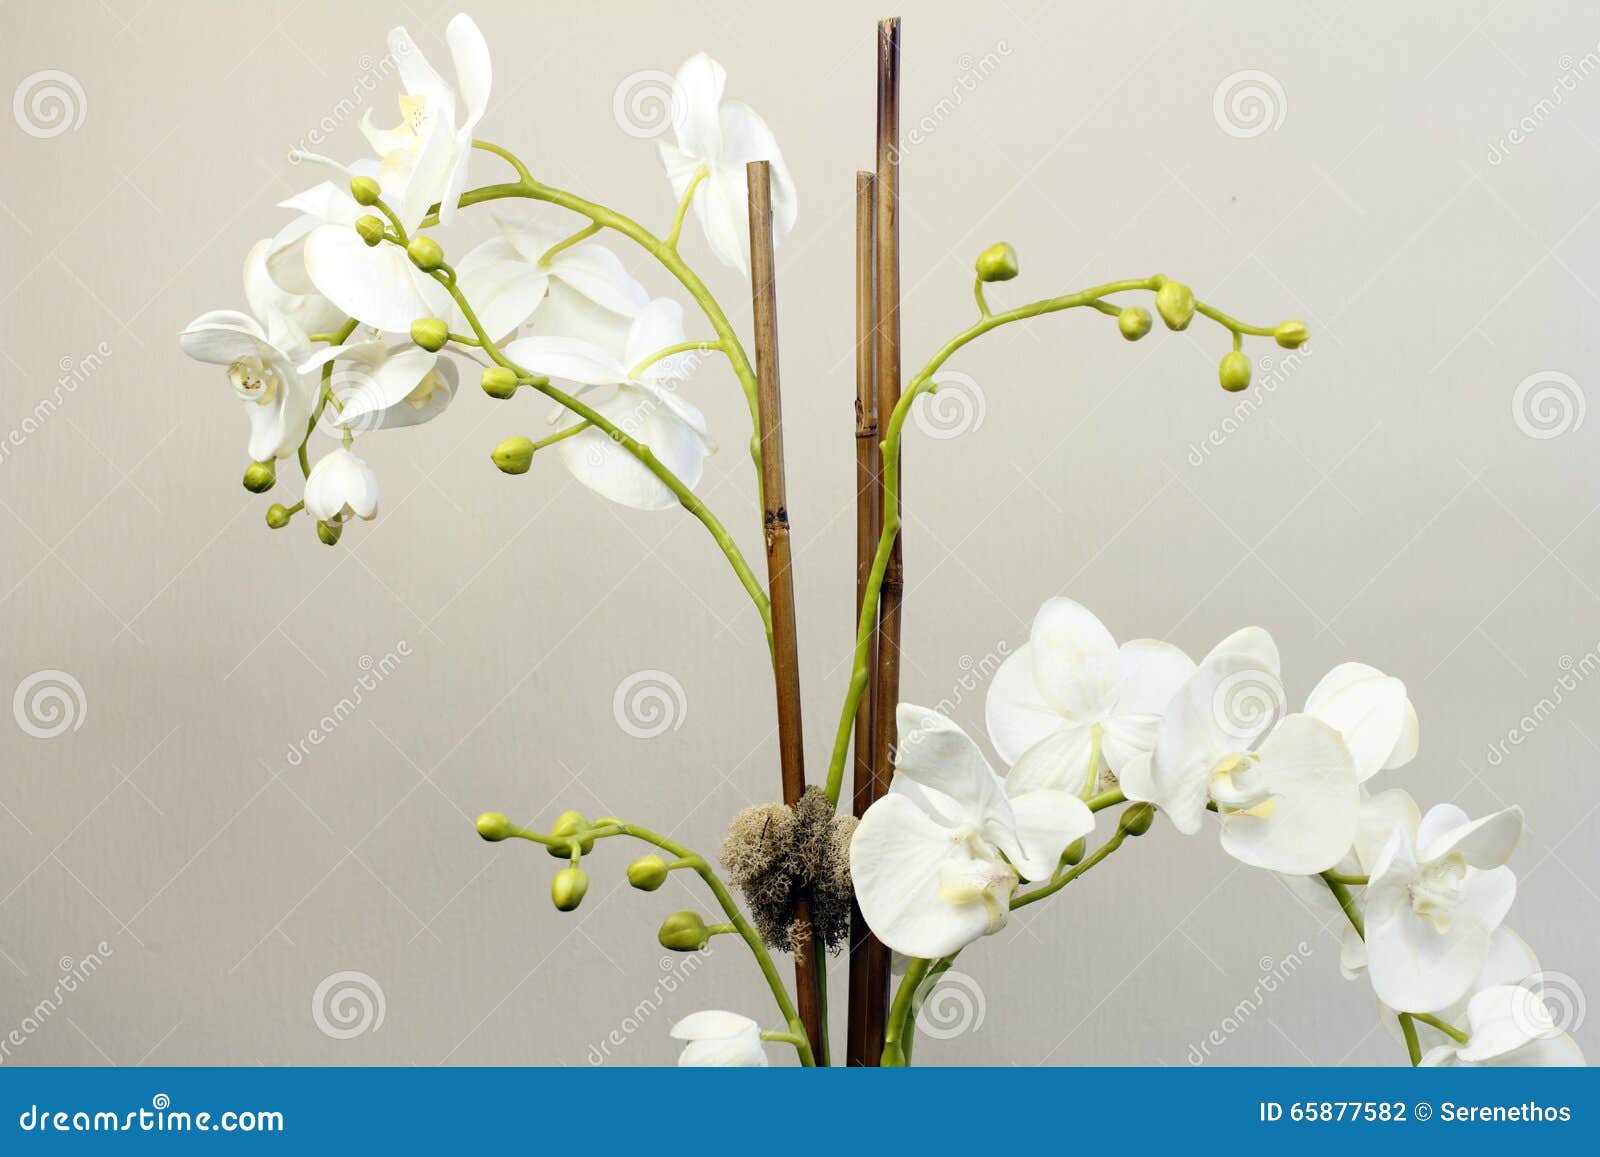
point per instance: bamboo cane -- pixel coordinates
(868, 962)
(780, 571)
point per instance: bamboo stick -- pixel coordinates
(780, 571)
(886, 683)
(864, 1043)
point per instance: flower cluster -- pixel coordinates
(360, 270)
(938, 861)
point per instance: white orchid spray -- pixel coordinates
(361, 323)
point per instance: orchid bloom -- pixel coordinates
(1433, 901)
(1072, 688)
(719, 1039)
(425, 157)
(1286, 795)
(510, 277)
(1510, 1026)
(341, 487)
(261, 354)
(644, 404)
(1371, 712)
(386, 386)
(936, 860)
(716, 138)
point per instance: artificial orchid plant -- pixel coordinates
(357, 316)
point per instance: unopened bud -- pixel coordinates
(684, 932)
(1234, 372)
(431, 333)
(365, 190)
(259, 476)
(278, 516)
(1074, 853)
(1134, 323)
(499, 382)
(997, 263)
(370, 228)
(568, 825)
(1136, 820)
(1291, 335)
(329, 532)
(647, 873)
(568, 888)
(425, 254)
(514, 455)
(1175, 304)
(494, 827)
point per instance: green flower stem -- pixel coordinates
(1108, 798)
(583, 234)
(682, 347)
(899, 1027)
(1337, 885)
(1091, 779)
(1237, 326)
(783, 1037)
(614, 827)
(684, 202)
(1061, 881)
(687, 498)
(561, 435)
(1341, 878)
(325, 392)
(983, 302)
(890, 450)
(908, 1038)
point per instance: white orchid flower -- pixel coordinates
(719, 1039)
(644, 403)
(720, 137)
(1433, 901)
(387, 386)
(1371, 712)
(1509, 961)
(425, 157)
(1510, 1026)
(936, 860)
(1071, 687)
(506, 280)
(1286, 795)
(306, 311)
(261, 354)
(341, 487)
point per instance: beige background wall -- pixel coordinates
(1386, 501)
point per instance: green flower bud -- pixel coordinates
(1136, 820)
(997, 263)
(684, 932)
(259, 476)
(370, 228)
(329, 532)
(278, 516)
(1234, 372)
(365, 190)
(431, 333)
(1291, 335)
(1074, 853)
(425, 254)
(514, 455)
(1134, 323)
(647, 873)
(499, 382)
(494, 827)
(1175, 304)
(568, 825)
(568, 888)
